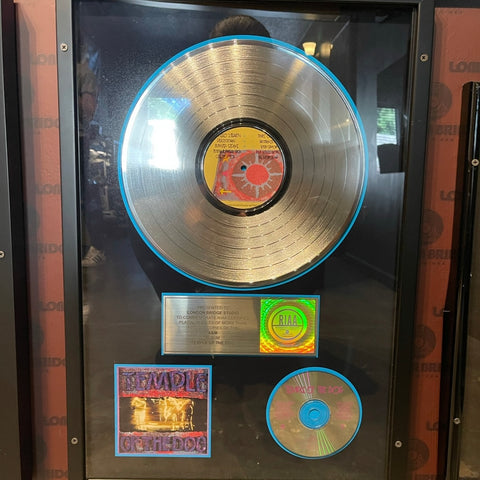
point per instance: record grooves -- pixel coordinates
(267, 198)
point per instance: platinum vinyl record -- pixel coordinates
(243, 163)
(314, 413)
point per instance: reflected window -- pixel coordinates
(387, 126)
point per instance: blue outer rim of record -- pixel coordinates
(316, 64)
(305, 370)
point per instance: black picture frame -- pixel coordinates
(418, 95)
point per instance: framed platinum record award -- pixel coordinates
(242, 191)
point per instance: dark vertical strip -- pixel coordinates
(15, 408)
(409, 255)
(71, 250)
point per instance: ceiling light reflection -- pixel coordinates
(309, 48)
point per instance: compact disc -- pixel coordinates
(314, 413)
(242, 162)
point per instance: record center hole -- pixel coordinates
(314, 414)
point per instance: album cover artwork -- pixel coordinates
(162, 410)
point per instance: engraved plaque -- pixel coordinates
(240, 324)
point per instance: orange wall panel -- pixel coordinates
(40, 133)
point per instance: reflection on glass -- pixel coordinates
(163, 141)
(130, 42)
(387, 128)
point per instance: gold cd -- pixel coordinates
(314, 413)
(242, 162)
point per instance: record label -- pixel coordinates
(314, 413)
(243, 167)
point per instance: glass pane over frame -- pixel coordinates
(119, 46)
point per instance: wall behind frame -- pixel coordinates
(456, 39)
(456, 61)
(39, 115)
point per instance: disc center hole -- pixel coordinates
(314, 414)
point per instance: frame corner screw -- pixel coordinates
(63, 47)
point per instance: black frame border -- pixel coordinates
(15, 405)
(410, 241)
(409, 255)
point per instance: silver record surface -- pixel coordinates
(295, 100)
